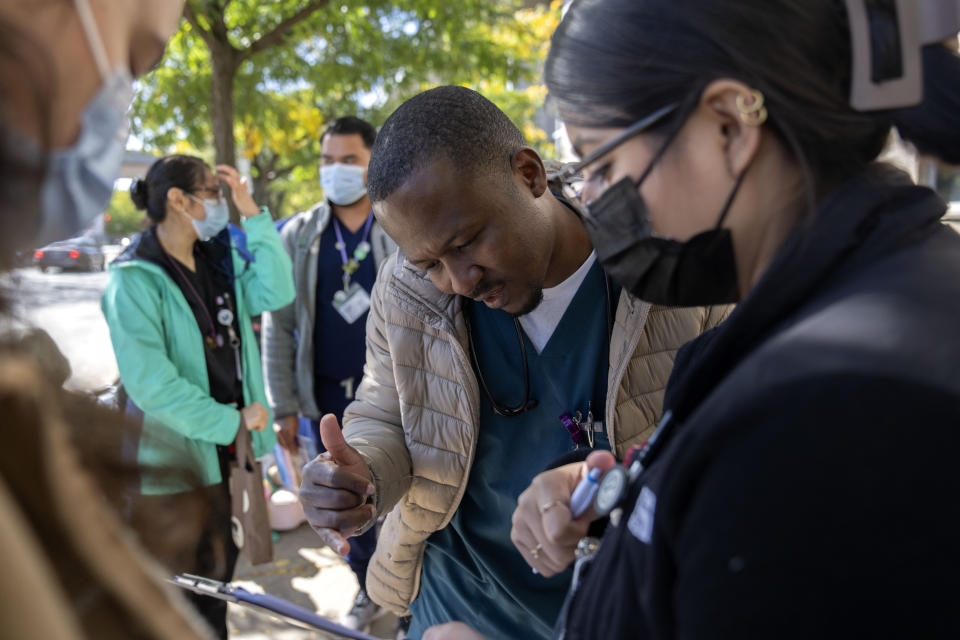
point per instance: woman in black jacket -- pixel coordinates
(803, 482)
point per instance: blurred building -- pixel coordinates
(136, 164)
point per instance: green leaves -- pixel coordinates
(121, 217)
(298, 64)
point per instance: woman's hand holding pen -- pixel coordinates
(544, 529)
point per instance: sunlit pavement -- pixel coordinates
(306, 574)
(67, 306)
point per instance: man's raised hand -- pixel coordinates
(335, 488)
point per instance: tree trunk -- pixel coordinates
(222, 109)
(262, 180)
(276, 203)
(224, 68)
(265, 168)
(261, 193)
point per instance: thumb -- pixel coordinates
(602, 460)
(332, 438)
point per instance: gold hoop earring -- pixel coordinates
(753, 114)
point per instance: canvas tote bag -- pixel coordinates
(250, 521)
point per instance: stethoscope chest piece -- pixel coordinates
(612, 488)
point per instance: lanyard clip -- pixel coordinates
(589, 424)
(572, 425)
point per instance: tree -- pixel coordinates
(121, 217)
(269, 75)
(230, 47)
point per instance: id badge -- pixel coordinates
(352, 303)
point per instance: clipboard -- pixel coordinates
(290, 612)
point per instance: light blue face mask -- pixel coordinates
(343, 183)
(79, 179)
(218, 215)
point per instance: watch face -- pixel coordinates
(225, 317)
(611, 490)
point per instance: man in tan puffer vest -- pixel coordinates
(493, 321)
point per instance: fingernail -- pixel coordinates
(370, 489)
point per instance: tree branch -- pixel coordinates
(191, 17)
(284, 172)
(271, 162)
(282, 29)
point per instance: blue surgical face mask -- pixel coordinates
(218, 215)
(79, 179)
(343, 183)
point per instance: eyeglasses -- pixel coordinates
(218, 192)
(571, 176)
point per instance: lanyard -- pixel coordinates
(225, 315)
(351, 264)
(211, 337)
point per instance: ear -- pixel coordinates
(177, 200)
(528, 167)
(740, 139)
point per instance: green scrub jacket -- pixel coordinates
(159, 350)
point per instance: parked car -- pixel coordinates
(81, 254)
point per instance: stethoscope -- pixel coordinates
(503, 410)
(225, 316)
(528, 403)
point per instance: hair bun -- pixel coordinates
(138, 193)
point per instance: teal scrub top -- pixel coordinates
(471, 570)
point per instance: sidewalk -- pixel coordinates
(305, 573)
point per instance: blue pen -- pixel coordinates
(583, 495)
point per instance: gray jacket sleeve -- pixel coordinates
(372, 423)
(279, 344)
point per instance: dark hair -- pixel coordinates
(613, 62)
(150, 194)
(352, 124)
(449, 122)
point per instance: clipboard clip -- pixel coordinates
(205, 586)
(265, 604)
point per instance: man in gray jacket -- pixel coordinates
(495, 344)
(313, 349)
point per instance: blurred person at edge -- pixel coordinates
(314, 349)
(804, 483)
(178, 304)
(70, 568)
